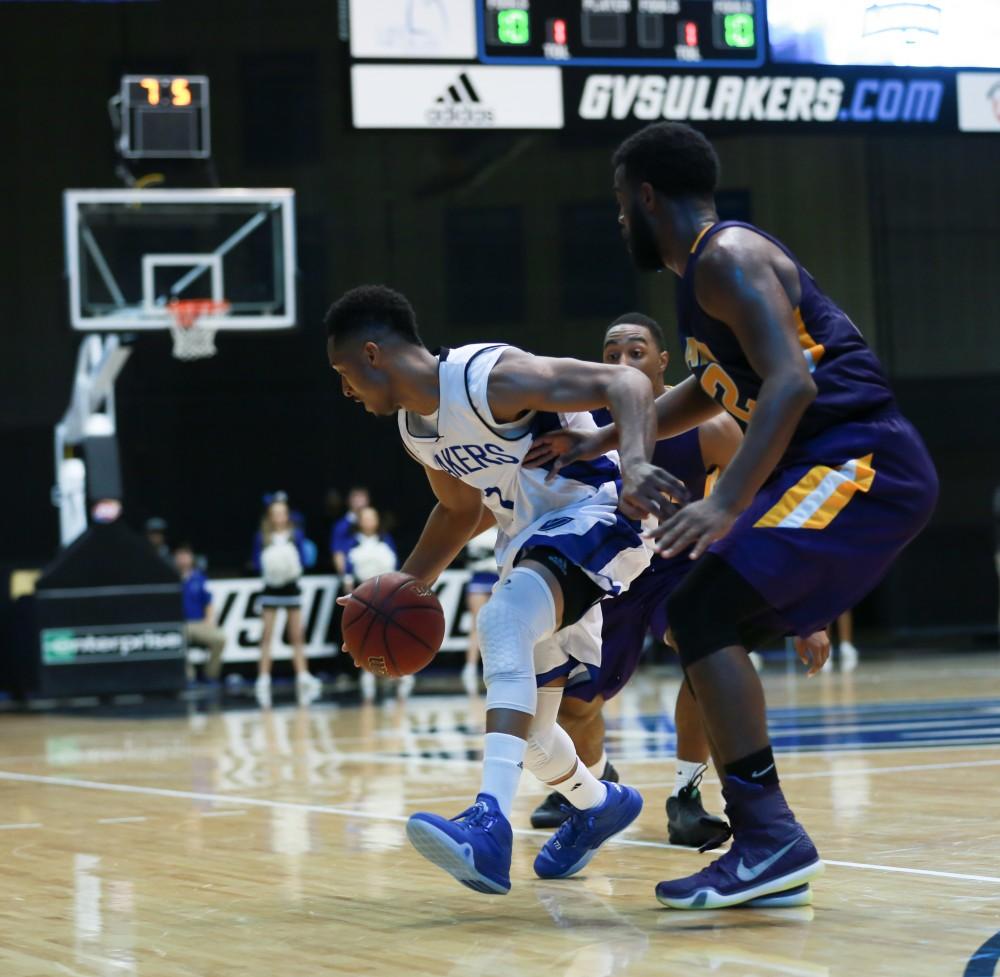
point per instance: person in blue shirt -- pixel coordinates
(199, 624)
(343, 536)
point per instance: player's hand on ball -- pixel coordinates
(813, 651)
(344, 601)
(697, 525)
(650, 491)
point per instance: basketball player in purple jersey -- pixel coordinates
(696, 457)
(830, 483)
(636, 341)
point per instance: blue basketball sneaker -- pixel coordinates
(770, 854)
(475, 846)
(576, 841)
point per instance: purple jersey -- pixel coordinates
(849, 379)
(627, 618)
(681, 456)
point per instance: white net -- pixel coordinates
(192, 332)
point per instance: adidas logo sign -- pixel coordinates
(460, 105)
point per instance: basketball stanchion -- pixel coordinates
(192, 327)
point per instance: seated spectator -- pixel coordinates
(199, 623)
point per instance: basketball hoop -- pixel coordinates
(194, 339)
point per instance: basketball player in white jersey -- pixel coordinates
(469, 416)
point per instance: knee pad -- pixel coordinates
(550, 753)
(520, 613)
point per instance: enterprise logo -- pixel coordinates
(748, 98)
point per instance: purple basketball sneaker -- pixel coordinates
(770, 854)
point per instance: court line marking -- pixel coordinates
(129, 820)
(20, 827)
(222, 814)
(372, 816)
(839, 774)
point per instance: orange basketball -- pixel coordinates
(393, 625)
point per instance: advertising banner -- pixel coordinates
(234, 603)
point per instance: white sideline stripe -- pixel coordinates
(20, 827)
(913, 871)
(131, 820)
(222, 814)
(371, 816)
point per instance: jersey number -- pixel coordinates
(493, 490)
(720, 387)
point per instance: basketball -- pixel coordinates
(393, 625)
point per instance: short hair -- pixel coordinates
(372, 307)
(672, 157)
(638, 319)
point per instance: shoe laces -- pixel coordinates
(577, 822)
(725, 833)
(477, 816)
(690, 789)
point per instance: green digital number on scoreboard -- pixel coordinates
(739, 30)
(513, 27)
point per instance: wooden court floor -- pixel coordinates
(241, 843)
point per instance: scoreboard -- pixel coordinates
(794, 65)
(605, 32)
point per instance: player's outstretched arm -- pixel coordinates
(678, 410)
(719, 439)
(521, 382)
(737, 284)
(452, 523)
(683, 407)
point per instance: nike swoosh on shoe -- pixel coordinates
(745, 874)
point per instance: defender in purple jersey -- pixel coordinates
(637, 341)
(829, 485)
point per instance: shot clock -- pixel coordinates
(165, 117)
(622, 32)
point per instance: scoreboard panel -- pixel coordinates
(793, 65)
(713, 33)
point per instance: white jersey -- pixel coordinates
(575, 513)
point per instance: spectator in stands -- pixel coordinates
(370, 554)
(156, 533)
(199, 622)
(342, 538)
(481, 562)
(279, 558)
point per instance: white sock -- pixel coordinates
(582, 789)
(687, 770)
(503, 758)
(597, 769)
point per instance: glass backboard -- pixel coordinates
(129, 253)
